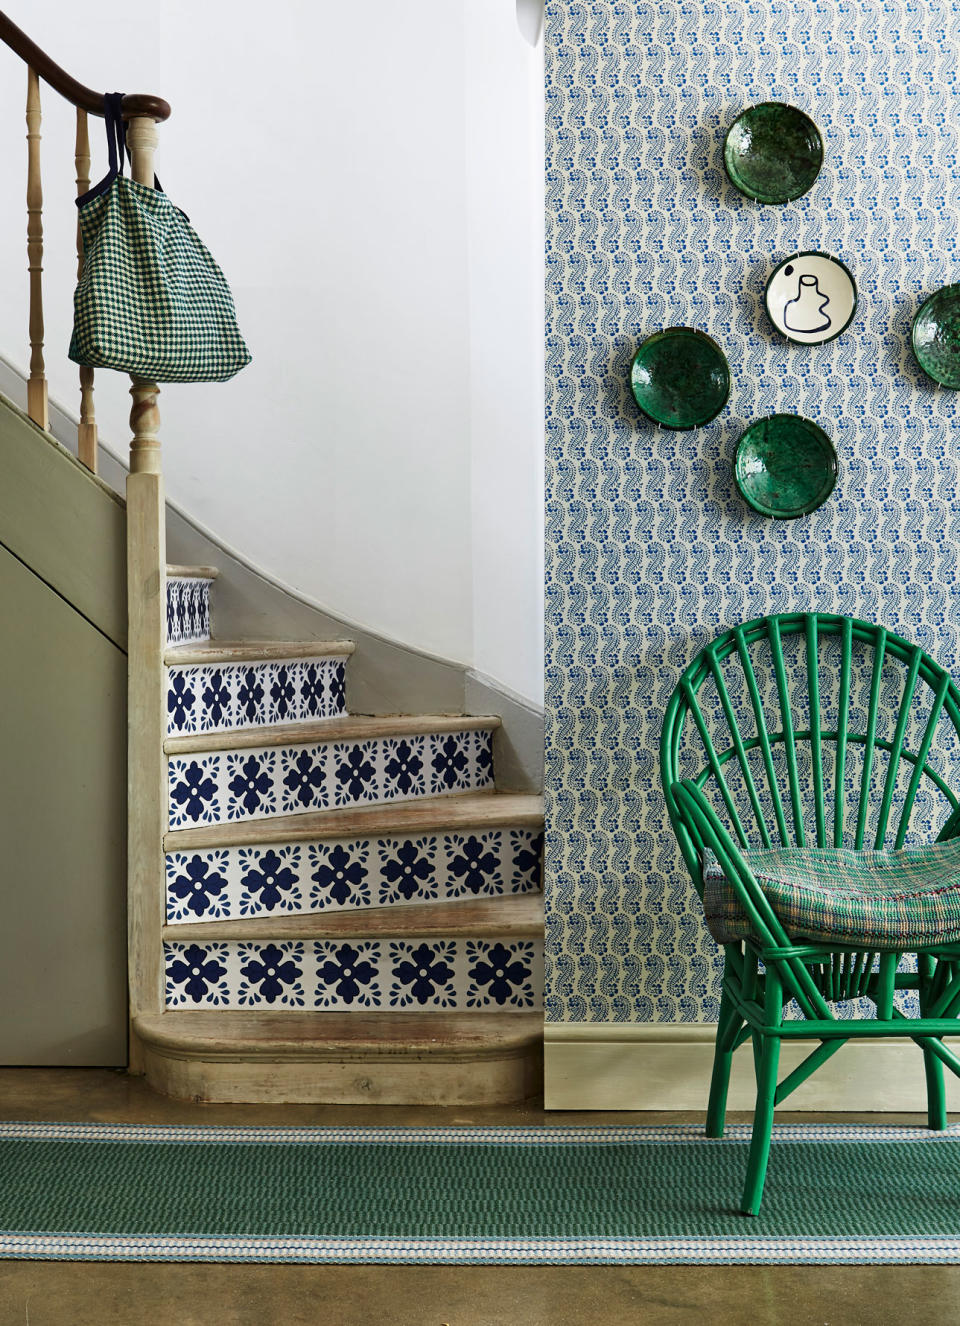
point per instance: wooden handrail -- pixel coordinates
(84, 98)
(141, 112)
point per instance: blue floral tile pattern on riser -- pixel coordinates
(356, 975)
(298, 878)
(188, 610)
(650, 552)
(223, 786)
(216, 697)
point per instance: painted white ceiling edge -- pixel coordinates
(382, 455)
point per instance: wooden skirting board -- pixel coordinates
(662, 1066)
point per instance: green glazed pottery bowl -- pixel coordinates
(785, 466)
(773, 152)
(936, 337)
(680, 378)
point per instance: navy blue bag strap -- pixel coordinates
(116, 147)
(116, 134)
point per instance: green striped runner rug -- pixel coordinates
(474, 1195)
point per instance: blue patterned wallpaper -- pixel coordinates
(650, 552)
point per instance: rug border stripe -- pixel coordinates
(608, 1252)
(453, 1135)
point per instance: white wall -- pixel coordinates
(382, 453)
(504, 86)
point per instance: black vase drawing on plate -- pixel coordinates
(805, 313)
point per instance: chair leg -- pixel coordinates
(762, 1124)
(931, 976)
(728, 1025)
(936, 1094)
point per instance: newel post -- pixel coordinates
(146, 641)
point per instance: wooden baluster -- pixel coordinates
(146, 640)
(87, 429)
(37, 407)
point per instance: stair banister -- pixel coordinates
(146, 534)
(142, 112)
(146, 694)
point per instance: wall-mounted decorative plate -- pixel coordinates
(785, 466)
(773, 152)
(811, 298)
(936, 336)
(680, 378)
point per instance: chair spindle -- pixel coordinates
(870, 739)
(896, 750)
(816, 745)
(843, 724)
(765, 747)
(790, 741)
(738, 747)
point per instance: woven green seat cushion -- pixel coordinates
(877, 900)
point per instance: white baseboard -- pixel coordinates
(650, 1066)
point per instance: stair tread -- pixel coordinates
(255, 651)
(507, 916)
(235, 1035)
(348, 728)
(468, 810)
(191, 572)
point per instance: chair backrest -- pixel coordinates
(817, 730)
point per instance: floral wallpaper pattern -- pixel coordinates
(650, 552)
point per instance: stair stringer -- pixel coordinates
(386, 677)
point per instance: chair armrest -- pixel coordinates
(705, 830)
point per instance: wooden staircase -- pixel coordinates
(321, 906)
(352, 911)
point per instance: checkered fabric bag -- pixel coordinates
(151, 300)
(881, 900)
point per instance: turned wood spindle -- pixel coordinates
(145, 415)
(37, 406)
(87, 428)
(146, 693)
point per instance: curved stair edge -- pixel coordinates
(353, 1059)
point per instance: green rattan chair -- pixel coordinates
(801, 757)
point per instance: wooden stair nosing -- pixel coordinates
(460, 810)
(318, 1036)
(254, 651)
(500, 916)
(349, 728)
(191, 572)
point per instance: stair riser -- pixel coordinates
(222, 787)
(188, 610)
(349, 875)
(371, 1079)
(408, 975)
(221, 697)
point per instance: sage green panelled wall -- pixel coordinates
(650, 550)
(63, 828)
(62, 757)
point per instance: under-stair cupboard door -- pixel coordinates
(62, 830)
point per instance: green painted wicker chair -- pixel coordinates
(788, 744)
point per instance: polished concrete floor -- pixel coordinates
(128, 1294)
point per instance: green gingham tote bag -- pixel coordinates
(151, 300)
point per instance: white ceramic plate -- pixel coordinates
(811, 298)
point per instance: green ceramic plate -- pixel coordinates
(936, 337)
(773, 152)
(680, 378)
(785, 466)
